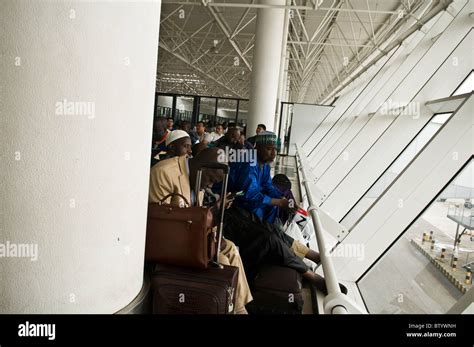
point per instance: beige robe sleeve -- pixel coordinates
(169, 179)
(160, 185)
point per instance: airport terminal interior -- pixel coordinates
(346, 128)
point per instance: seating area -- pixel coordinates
(236, 158)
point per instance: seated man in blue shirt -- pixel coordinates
(261, 242)
(254, 180)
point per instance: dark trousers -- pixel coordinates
(260, 242)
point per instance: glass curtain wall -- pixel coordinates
(387, 178)
(425, 270)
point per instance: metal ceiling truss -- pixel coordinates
(208, 45)
(210, 50)
(343, 63)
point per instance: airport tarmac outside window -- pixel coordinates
(429, 267)
(394, 170)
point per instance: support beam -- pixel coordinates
(272, 6)
(266, 64)
(328, 44)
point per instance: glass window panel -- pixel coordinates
(405, 280)
(285, 126)
(207, 109)
(242, 116)
(417, 144)
(164, 106)
(184, 108)
(226, 110)
(467, 86)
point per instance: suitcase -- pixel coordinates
(179, 290)
(183, 236)
(184, 290)
(276, 290)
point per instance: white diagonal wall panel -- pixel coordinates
(361, 110)
(406, 90)
(399, 66)
(422, 181)
(401, 132)
(342, 103)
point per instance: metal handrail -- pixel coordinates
(330, 277)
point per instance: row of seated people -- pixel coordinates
(206, 131)
(252, 220)
(221, 136)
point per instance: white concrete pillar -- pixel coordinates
(282, 87)
(77, 87)
(266, 65)
(283, 69)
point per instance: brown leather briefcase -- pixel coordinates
(184, 236)
(180, 236)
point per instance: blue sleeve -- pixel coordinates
(267, 186)
(249, 183)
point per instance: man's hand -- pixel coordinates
(228, 201)
(292, 206)
(285, 204)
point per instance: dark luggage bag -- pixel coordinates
(276, 290)
(184, 290)
(179, 290)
